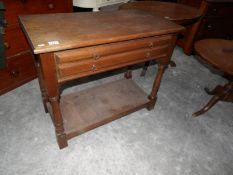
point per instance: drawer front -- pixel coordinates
(19, 70)
(86, 61)
(220, 9)
(216, 28)
(15, 40)
(14, 8)
(49, 6)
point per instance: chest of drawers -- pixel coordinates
(80, 48)
(218, 18)
(20, 67)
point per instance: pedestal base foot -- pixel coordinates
(221, 93)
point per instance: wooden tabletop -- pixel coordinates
(55, 32)
(178, 13)
(217, 52)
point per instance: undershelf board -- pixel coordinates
(88, 109)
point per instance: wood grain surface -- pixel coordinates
(54, 32)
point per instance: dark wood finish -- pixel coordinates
(218, 53)
(193, 3)
(19, 70)
(16, 46)
(178, 13)
(108, 40)
(217, 20)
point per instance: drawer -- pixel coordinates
(15, 41)
(19, 70)
(14, 8)
(49, 6)
(91, 60)
(220, 9)
(216, 28)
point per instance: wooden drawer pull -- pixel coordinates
(93, 68)
(6, 45)
(51, 6)
(148, 55)
(151, 45)
(96, 56)
(14, 73)
(2, 30)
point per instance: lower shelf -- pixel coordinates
(96, 106)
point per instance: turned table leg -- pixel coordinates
(128, 74)
(47, 63)
(156, 85)
(58, 122)
(144, 68)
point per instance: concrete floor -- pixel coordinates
(164, 141)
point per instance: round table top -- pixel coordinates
(178, 13)
(217, 52)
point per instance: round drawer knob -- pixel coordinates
(93, 68)
(51, 6)
(209, 26)
(6, 45)
(148, 55)
(214, 10)
(96, 56)
(14, 73)
(151, 45)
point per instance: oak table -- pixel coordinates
(75, 45)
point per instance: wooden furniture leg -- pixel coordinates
(42, 87)
(146, 65)
(128, 74)
(221, 93)
(209, 105)
(144, 68)
(187, 42)
(156, 85)
(214, 91)
(52, 87)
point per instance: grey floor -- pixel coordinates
(164, 141)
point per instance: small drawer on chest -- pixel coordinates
(220, 9)
(86, 61)
(19, 69)
(15, 40)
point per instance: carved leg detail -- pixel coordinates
(128, 74)
(223, 93)
(144, 68)
(156, 85)
(58, 122)
(209, 105)
(214, 91)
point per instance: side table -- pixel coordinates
(84, 44)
